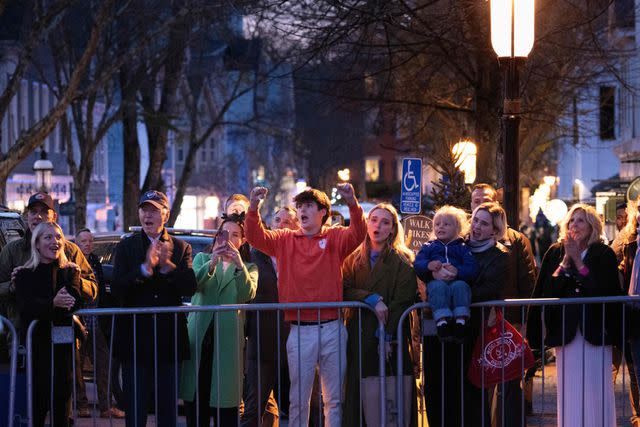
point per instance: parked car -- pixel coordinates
(12, 226)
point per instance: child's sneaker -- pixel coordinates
(459, 331)
(444, 330)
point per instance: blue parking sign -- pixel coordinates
(411, 193)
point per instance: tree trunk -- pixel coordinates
(487, 98)
(80, 194)
(83, 181)
(131, 184)
(33, 137)
(158, 130)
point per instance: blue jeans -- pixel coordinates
(449, 299)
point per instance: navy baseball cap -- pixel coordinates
(40, 197)
(156, 198)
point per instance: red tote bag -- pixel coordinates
(503, 351)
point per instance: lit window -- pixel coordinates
(372, 168)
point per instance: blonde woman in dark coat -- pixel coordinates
(380, 274)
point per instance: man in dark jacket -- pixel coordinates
(264, 351)
(95, 339)
(152, 269)
(521, 279)
(15, 254)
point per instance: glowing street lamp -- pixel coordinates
(512, 35)
(344, 174)
(512, 27)
(466, 153)
(43, 169)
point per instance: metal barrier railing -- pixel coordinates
(64, 338)
(619, 302)
(13, 366)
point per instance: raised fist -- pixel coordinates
(347, 192)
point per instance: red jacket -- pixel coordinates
(309, 268)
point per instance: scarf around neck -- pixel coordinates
(477, 246)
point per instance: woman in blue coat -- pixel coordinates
(216, 338)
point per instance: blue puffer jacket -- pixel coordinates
(456, 253)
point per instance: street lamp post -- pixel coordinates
(512, 33)
(43, 169)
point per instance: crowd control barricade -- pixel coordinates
(550, 407)
(8, 396)
(156, 316)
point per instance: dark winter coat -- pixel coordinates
(267, 292)
(454, 359)
(631, 315)
(394, 280)
(132, 289)
(521, 274)
(562, 324)
(455, 253)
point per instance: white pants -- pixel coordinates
(581, 401)
(308, 347)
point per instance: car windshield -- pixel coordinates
(197, 247)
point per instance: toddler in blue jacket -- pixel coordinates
(447, 265)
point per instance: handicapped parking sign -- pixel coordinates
(411, 192)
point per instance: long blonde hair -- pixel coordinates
(631, 228)
(40, 229)
(592, 217)
(395, 241)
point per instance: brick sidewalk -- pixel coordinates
(544, 411)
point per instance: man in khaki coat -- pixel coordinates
(15, 254)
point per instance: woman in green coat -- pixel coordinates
(380, 274)
(214, 373)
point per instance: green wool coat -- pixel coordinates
(223, 287)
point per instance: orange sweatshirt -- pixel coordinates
(309, 267)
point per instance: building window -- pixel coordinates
(372, 168)
(607, 112)
(258, 175)
(624, 14)
(180, 153)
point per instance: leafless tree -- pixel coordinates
(46, 17)
(429, 64)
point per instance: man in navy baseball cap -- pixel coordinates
(152, 269)
(156, 198)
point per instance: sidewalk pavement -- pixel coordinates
(544, 409)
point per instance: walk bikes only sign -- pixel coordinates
(417, 229)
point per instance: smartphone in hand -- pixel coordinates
(222, 238)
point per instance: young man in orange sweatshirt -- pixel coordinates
(309, 264)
